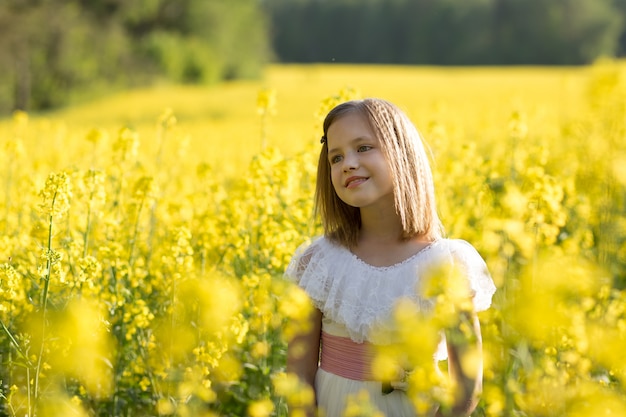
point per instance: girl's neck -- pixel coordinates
(386, 250)
(379, 232)
(380, 241)
(380, 225)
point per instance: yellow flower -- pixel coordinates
(261, 408)
(145, 188)
(167, 119)
(91, 186)
(266, 102)
(345, 94)
(518, 128)
(165, 406)
(56, 195)
(89, 355)
(360, 405)
(260, 349)
(289, 386)
(144, 383)
(96, 136)
(20, 119)
(126, 145)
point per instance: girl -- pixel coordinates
(375, 195)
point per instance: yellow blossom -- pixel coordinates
(261, 408)
(56, 195)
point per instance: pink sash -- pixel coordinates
(344, 357)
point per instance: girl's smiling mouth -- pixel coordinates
(355, 181)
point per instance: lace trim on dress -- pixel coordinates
(362, 297)
(397, 264)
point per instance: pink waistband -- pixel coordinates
(344, 357)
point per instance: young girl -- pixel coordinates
(375, 195)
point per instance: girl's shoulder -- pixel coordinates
(469, 261)
(463, 251)
(306, 255)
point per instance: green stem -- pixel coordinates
(153, 222)
(135, 233)
(263, 131)
(172, 326)
(161, 141)
(9, 180)
(44, 310)
(30, 405)
(161, 136)
(87, 229)
(17, 346)
(120, 362)
(203, 256)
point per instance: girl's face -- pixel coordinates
(360, 173)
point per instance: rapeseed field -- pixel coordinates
(143, 238)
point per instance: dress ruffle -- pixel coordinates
(361, 297)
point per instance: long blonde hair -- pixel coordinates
(405, 152)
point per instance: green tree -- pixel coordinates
(555, 31)
(49, 48)
(52, 50)
(620, 7)
(446, 32)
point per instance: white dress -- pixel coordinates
(355, 298)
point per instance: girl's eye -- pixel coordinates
(364, 148)
(335, 159)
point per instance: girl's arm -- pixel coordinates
(303, 354)
(466, 379)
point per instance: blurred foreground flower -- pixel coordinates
(297, 394)
(359, 405)
(84, 349)
(569, 339)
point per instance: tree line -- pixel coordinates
(448, 32)
(52, 51)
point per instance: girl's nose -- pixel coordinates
(350, 162)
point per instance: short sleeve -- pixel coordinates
(467, 258)
(300, 261)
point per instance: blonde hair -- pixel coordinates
(405, 152)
